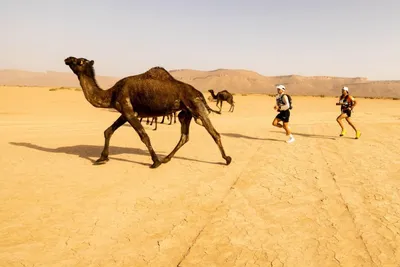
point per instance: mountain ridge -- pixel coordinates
(234, 80)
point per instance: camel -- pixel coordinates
(223, 96)
(169, 117)
(154, 119)
(149, 94)
(150, 122)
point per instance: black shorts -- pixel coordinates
(347, 112)
(283, 115)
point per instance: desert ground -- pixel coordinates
(323, 200)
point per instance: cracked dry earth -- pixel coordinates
(321, 201)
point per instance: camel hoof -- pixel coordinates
(166, 160)
(100, 161)
(228, 160)
(155, 164)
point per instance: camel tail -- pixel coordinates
(212, 110)
(208, 107)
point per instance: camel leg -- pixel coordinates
(174, 117)
(107, 136)
(185, 118)
(216, 136)
(134, 122)
(202, 115)
(163, 117)
(170, 119)
(155, 119)
(232, 106)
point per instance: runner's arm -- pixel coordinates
(286, 101)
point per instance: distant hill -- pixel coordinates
(235, 81)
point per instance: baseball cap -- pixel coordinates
(345, 88)
(281, 86)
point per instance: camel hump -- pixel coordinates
(159, 73)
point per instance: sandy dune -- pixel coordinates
(321, 201)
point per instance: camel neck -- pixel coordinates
(93, 93)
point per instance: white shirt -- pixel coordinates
(285, 100)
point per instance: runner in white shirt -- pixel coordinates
(283, 107)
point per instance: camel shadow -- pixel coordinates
(310, 135)
(235, 135)
(91, 151)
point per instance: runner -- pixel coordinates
(347, 103)
(283, 106)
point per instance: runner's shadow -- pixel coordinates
(236, 135)
(310, 135)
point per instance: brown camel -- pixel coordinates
(154, 119)
(150, 122)
(152, 93)
(223, 96)
(169, 117)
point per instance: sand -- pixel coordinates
(324, 200)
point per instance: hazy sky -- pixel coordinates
(124, 37)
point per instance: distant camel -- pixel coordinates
(150, 122)
(154, 119)
(152, 93)
(169, 117)
(223, 96)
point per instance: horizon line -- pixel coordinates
(214, 70)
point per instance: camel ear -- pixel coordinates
(91, 62)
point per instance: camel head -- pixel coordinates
(80, 65)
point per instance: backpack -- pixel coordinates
(290, 100)
(346, 104)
